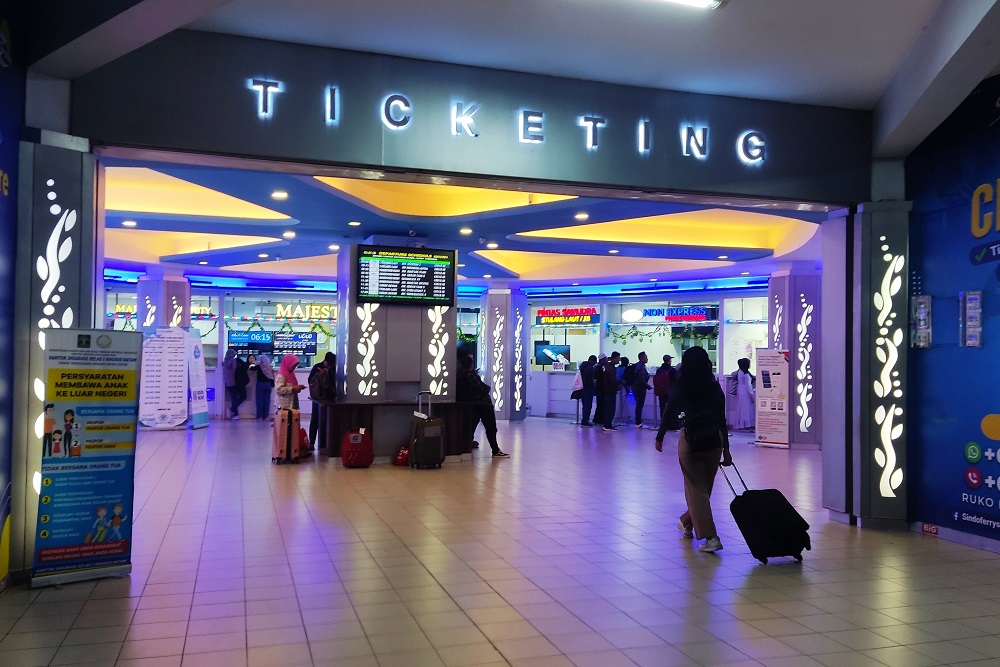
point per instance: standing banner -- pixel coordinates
(772, 398)
(163, 398)
(197, 393)
(88, 455)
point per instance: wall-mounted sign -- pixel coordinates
(582, 316)
(298, 344)
(306, 311)
(679, 313)
(249, 338)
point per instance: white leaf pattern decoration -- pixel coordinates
(41, 268)
(65, 249)
(886, 352)
(67, 318)
(39, 389)
(880, 458)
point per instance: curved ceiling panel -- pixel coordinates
(141, 245)
(550, 266)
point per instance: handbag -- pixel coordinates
(577, 383)
(577, 394)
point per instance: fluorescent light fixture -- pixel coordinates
(461, 266)
(699, 4)
(745, 273)
(289, 234)
(492, 245)
(129, 223)
(263, 255)
(653, 280)
(487, 275)
(723, 256)
(334, 247)
(354, 223)
(582, 215)
(575, 284)
(279, 195)
(613, 251)
(465, 231)
(203, 263)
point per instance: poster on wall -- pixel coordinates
(772, 398)
(197, 391)
(163, 397)
(83, 530)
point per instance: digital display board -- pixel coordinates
(419, 276)
(275, 343)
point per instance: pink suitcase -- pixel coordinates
(287, 446)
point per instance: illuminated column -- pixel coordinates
(163, 301)
(882, 264)
(59, 285)
(504, 351)
(794, 324)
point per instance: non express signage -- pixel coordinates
(679, 313)
(580, 316)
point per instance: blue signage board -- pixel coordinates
(249, 338)
(299, 344)
(85, 502)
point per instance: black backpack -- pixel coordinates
(628, 377)
(703, 431)
(321, 384)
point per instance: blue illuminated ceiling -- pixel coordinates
(319, 214)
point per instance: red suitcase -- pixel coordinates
(286, 447)
(356, 449)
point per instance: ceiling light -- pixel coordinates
(280, 195)
(575, 284)
(652, 280)
(745, 273)
(487, 275)
(263, 255)
(334, 246)
(129, 223)
(582, 215)
(203, 263)
(492, 245)
(465, 231)
(461, 266)
(699, 4)
(289, 234)
(723, 256)
(613, 251)
(354, 223)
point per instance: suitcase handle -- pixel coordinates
(420, 402)
(731, 487)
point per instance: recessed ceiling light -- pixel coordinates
(745, 273)
(613, 251)
(582, 215)
(354, 223)
(280, 195)
(334, 246)
(492, 245)
(263, 255)
(289, 234)
(203, 263)
(465, 231)
(487, 275)
(699, 4)
(129, 223)
(723, 256)
(575, 284)
(461, 266)
(653, 280)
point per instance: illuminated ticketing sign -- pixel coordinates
(679, 313)
(305, 311)
(581, 316)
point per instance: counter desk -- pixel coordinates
(389, 423)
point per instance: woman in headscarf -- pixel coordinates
(703, 442)
(746, 397)
(265, 380)
(286, 385)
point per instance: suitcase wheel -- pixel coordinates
(798, 557)
(763, 560)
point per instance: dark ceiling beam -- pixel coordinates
(72, 38)
(955, 52)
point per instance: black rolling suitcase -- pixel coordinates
(426, 436)
(769, 523)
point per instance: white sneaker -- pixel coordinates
(685, 531)
(640, 426)
(711, 545)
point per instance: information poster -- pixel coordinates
(84, 520)
(164, 401)
(197, 392)
(772, 398)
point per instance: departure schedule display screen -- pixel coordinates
(406, 276)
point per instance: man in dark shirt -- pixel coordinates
(587, 376)
(609, 390)
(470, 388)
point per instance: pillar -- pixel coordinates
(795, 323)
(162, 300)
(59, 286)
(504, 350)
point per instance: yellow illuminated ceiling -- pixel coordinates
(549, 266)
(139, 245)
(427, 199)
(711, 228)
(142, 190)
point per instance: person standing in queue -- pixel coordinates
(587, 375)
(598, 389)
(609, 389)
(470, 388)
(320, 387)
(236, 378)
(640, 385)
(286, 385)
(265, 381)
(665, 378)
(703, 441)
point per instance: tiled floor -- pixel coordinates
(565, 554)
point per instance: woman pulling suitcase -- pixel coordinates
(703, 441)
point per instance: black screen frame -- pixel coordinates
(406, 301)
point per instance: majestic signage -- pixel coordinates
(292, 102)
(306, 311)
(581, 316)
